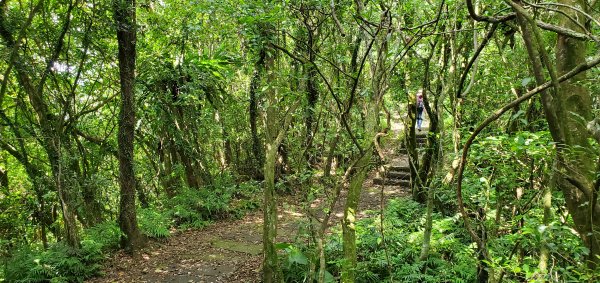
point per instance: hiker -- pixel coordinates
(419, 109)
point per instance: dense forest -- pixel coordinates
(125, 123)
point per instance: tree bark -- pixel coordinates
(124, 15)
(575, 162)
(361, 168)
(253, 113)
(3, 179)
(274, 133)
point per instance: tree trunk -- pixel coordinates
(428, 226)
(361, 168)
(3, 179)
(411, 148)
(124, 15)
(568, 109)
(271, 269)
(331, 153)
(64, 187)
(576, 161)
(312, 97)
(253, 113)
(274, 133)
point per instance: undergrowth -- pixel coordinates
(61, 263)
(450, 258)
(191, 208)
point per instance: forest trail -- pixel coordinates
(231, 250)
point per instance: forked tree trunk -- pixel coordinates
(356, 182)
(371, 122)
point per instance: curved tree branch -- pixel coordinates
(12, 43)
(335, 19)
(497, 114)
(488, 19)
(463, 77)
(590, 17)
(565, 31)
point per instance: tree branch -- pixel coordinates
(463, 77)
(335, 19)
(488, 19)
(14, 44)
(497, 114)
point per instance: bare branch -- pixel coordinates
(335, 19)
(565, 31)
(590, 17)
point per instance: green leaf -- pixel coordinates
(298, 257)
(283, 246)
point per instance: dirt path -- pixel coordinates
(228, 250)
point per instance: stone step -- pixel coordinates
(398, 175)
(391, 182)
(398, 168)
(418, 142)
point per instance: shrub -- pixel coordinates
(107, 235)
(59, 263)
(450, 258)
(153, 223)
(197, 207)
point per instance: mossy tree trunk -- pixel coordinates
(576, 166)
(568, 109)
(361, 167)
(277, 121)
(124, 15)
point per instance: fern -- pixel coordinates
(104, 236)
(59, 263)
(153, 223)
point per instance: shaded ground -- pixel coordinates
(230, 250)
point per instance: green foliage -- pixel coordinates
(194, 208)
(499, 166)
(197, 207)
(195, 66)
(450, 260)
(107, 235)
(153, 223)
(296, 263)
(60, 263)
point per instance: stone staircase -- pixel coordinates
(397, 171)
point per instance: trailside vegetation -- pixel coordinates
(124, 121)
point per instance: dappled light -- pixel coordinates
(299, 141)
